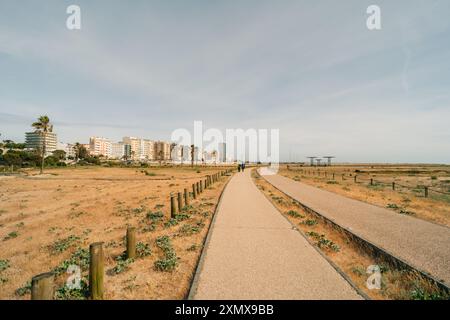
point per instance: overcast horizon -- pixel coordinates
(311, 69)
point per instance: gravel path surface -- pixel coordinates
(254, 253)
(422, 244)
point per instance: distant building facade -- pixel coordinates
(36, 141)
(68, 148)
(141, 149)
(222, 156)
(100, 147)
(162, 151)
(117, 150)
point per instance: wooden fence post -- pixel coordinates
(96, 271)
(186, 197)
(355, 178)
(393, 186)
(194, 193)
(426, 192)
(371, 181)
(173, 206)
(180, 201)
(131, 243)
(43, 286)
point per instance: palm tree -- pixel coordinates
(214, 154)
(77, 148)
(160, 156)
(43, 127)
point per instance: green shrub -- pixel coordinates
(310, 222)
(63, 244)
(294, 214)
(143, 249)
(65, 293)
(4, 264)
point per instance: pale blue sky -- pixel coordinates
(310, 68)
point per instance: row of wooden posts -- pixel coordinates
(43, 286)
(176, 199)
(355, 179)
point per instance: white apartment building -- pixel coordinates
(141, 149)
(148, 149)
(68, 148)
(117, 150)
(100, 147)
(36, 141)
(135, 147)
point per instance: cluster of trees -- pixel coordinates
(14, 154)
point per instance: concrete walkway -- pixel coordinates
(254, 253)
(422, 244)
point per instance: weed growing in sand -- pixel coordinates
(155, 216)
(310, 222)
(392, 206)
(193, 247)
(143, 250)
(294, 214)
(122, 265)
(4, 264)
(172, 222)
(62, 245)
(26, 288)
(170, 260)
(65, 293)
(80, 257)
(189, 229)
(323, 242)
(11, 235)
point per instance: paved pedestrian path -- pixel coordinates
(422, 244)
(254, 253)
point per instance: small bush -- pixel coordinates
(11, 235)
(26, 288)
(193, 247)
(188, 230)
(294, 214)
(80, 257)
(63, 244)
(4, 264)
(310, 222)
(122, 265)
(65, 293)
(392, 206)
(143, 249)
(155, 216)
(172, 222)
(170, 260)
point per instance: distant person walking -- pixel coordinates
(243, 166)
(239, 167)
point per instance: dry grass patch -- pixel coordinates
(98, 204)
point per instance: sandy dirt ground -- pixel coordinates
(45, 219)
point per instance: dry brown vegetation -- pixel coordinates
(45, 220)
(410, 201)
(348, 256)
